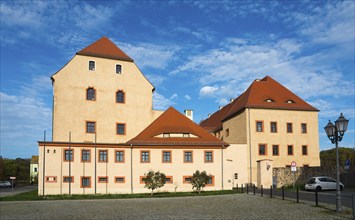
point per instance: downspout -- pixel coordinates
(44, 163)
(70, 158)
(95, 163)
(250, 163)
(131, 169)
(222, 164)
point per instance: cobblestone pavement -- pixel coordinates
(234, 206)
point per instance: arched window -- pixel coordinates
(90, 94)
(120, 96)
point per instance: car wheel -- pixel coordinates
(318, 188)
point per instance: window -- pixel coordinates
(303, 128)
(92, 65)
(102, 155)
(68, 155)
(227, 132)
(185, 135)
(259, 126)
(118, 69)
(208, 156)
(35, 170)
(262, 149)
(121, 129)
(90, 127)
(210, 181)
(304, 150)
(120, 96)
(119, 156)
(102, 179)
(51, 179)
(166, 156)
(273, 127)
(85, 156)
(85, 182)
(187, 156)
(187, 179)
(120, 179)
(275, 150)
(145, 157)
(168, 179)
(166, 135)
(289, 150)
(289, 128)
(90, 94)
(68, 179)
(269, 100)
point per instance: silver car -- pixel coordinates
(5, 184)
(322, 183)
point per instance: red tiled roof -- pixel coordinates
(172, 121)
(256, 96)
(214, 122)
(105, 48)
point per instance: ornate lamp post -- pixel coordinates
(335, 134)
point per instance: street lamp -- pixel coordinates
(335, 134)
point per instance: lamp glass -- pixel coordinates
(341, 124)
(330, 129)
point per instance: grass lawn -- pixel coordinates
(33, 195)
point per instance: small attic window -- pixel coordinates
(118, 69)
(166, 135)
(269, 100)
(290, 101)
(185, 135)
(92, 65)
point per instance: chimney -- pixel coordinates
(189, 113)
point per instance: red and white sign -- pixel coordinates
(293, 166)
(12, 177)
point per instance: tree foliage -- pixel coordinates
(154, 180)
(328, 157)
(2, 169)
(199, 180)
(20, 168)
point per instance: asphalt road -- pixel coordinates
(16, 190)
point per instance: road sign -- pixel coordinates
(347, 164)
(12, 177)
(293, 164)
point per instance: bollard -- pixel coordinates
(353, 206)
(262, 191)
(247, 188)
(254, 190)
(283, 192)
(242, 188)
(298, 195)
(316, 197)
(270, 191)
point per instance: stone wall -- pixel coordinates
(283, 176)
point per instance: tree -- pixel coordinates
(154, 180)
(199, 180)
(2, 169)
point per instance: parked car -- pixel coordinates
(322, 183)
(5, 184)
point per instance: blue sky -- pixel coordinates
(198, 55)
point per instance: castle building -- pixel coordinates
(106, 135)
(267, 126)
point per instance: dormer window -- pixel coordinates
(92, 65)
(290, 101)
(166, 135)
(186, 135)
(118, 69)
(269, 100)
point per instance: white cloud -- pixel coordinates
(208, 91)
(187, 97)
(150, 55)
(174, 96)
(160, 102)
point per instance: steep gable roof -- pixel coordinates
(264, 94)
(105, 48)
(172, 121)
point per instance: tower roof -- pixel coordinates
(263, 94)
(105, 48)
(173, 122)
